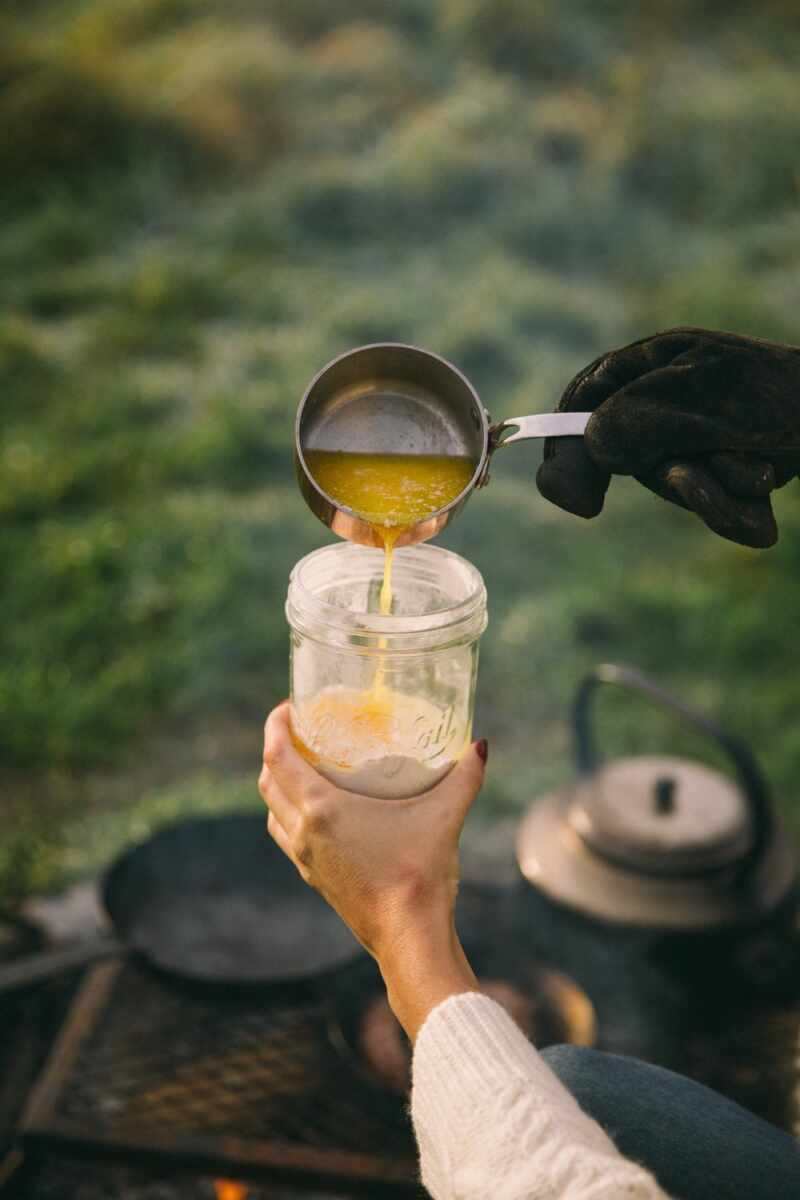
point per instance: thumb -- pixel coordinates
(462, 785)
(570, 478)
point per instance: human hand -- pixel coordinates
(707, 420)
(388, 867)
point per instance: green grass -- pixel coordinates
(202, 203)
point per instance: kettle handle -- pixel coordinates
(751, 778)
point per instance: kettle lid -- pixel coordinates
(662, 815)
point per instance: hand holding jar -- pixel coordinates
(389, 869)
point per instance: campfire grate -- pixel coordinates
(154, 1088)
(64, 1179)
(147, 1070)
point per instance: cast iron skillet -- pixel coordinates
(209, 900)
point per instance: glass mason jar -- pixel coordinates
(383, 705)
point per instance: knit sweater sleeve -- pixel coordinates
(491, 1119)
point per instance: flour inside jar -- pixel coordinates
(378, 742)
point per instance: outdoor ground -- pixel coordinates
(200, 204)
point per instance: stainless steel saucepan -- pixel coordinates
(390, 398)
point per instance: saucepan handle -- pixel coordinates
(539, 425)
(752, 781)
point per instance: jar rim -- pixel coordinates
(308, 612)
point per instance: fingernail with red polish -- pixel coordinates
(482, 749)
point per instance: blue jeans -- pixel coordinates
(698, 1144)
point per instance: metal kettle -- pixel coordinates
(657, 842)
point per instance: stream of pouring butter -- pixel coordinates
(390, 536)
(392, 492)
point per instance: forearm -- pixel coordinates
(476, 1077)
(489, 1115)
(423, 965)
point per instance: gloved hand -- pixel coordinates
(708, 420)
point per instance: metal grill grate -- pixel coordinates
(63, 1179)
(155, 1074)
(146, 1067)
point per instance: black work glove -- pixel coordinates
(710, 421)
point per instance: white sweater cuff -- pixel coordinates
(468, 1049)
(492, 1119)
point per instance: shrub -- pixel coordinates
(27, 376)
(307, 20)
(717, 148)
(57, 123)
(223, 88)
(537, 41)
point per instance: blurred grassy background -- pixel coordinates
(200, 203)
